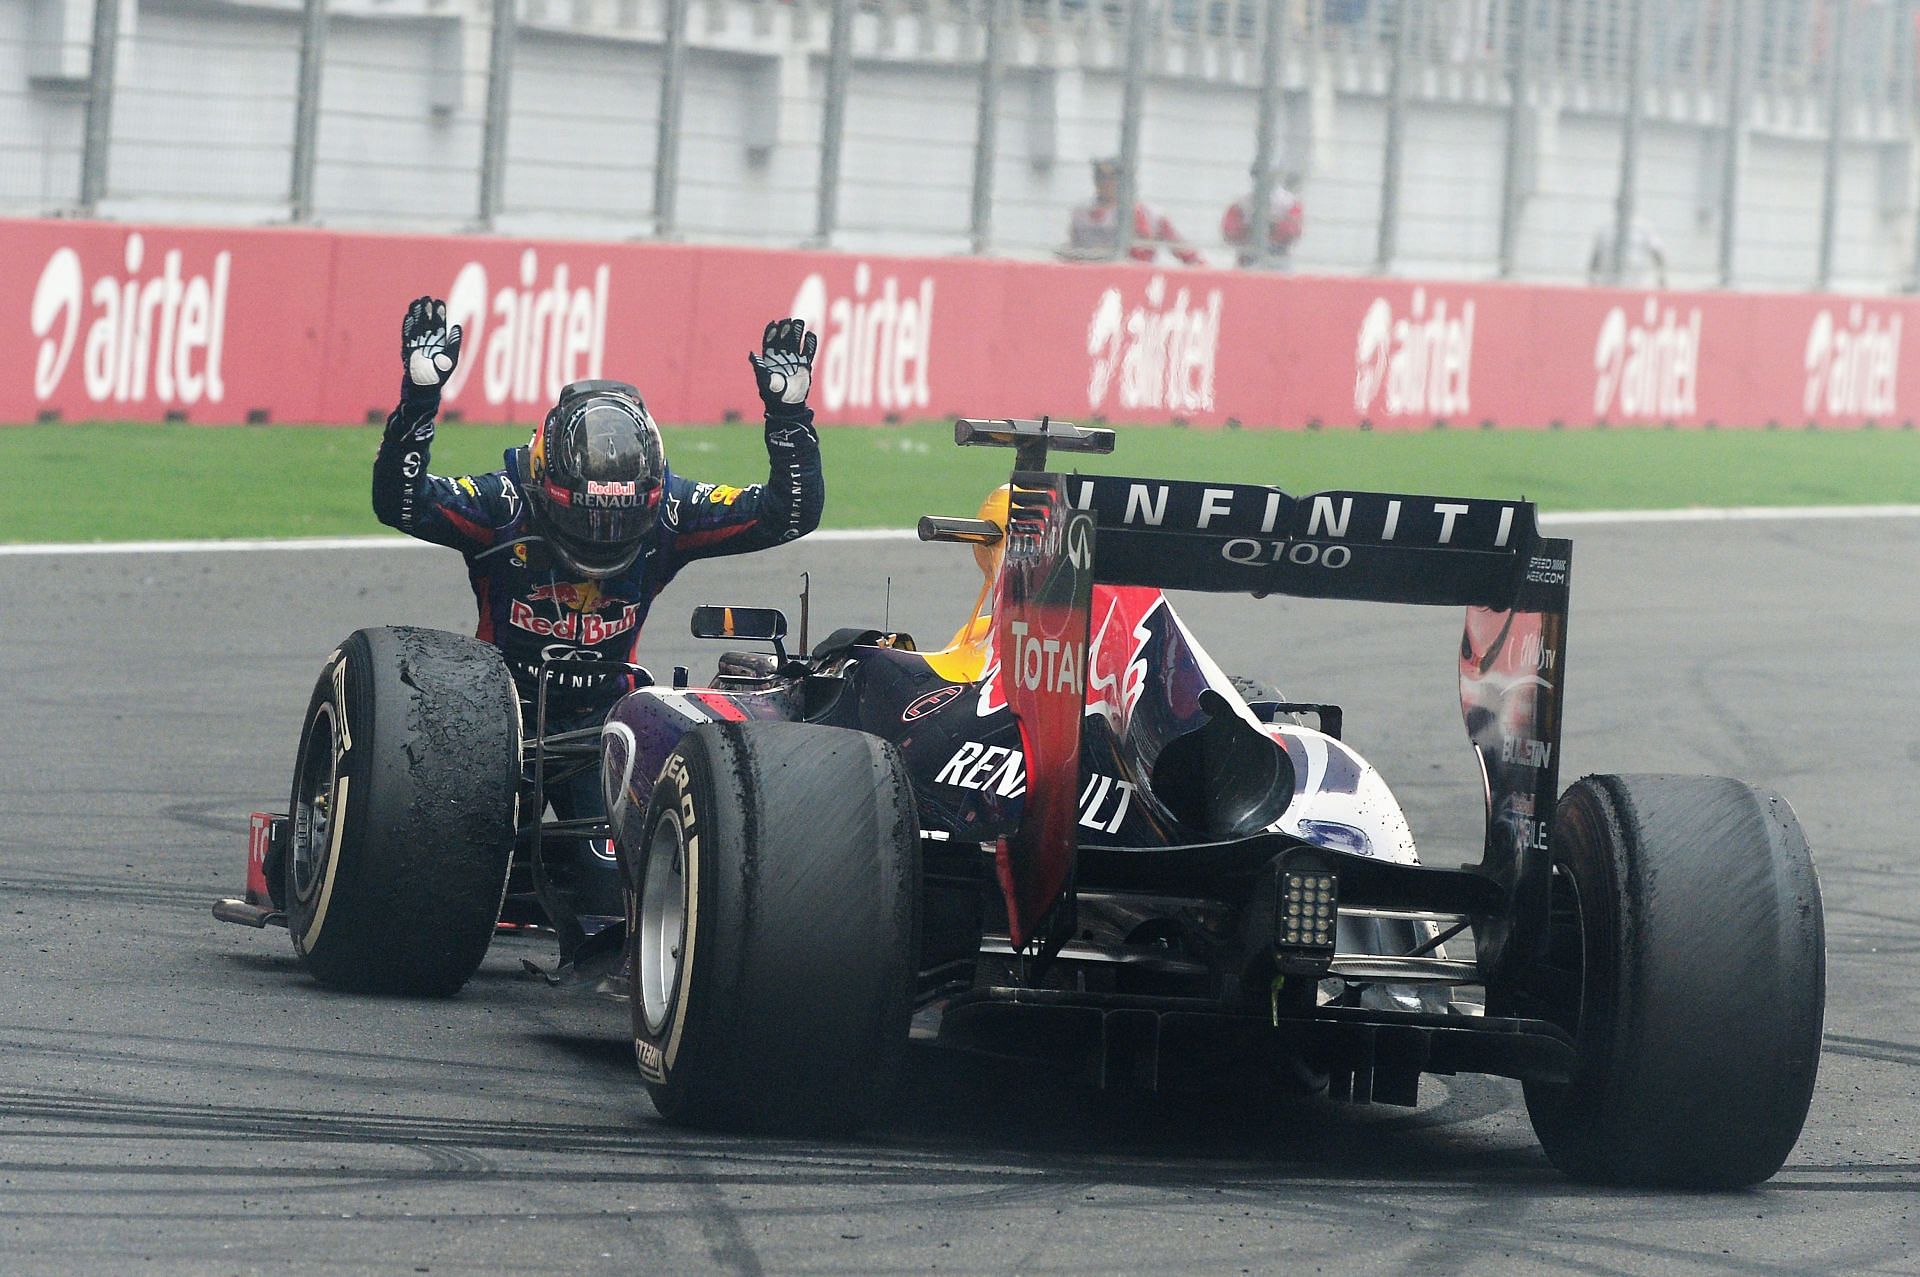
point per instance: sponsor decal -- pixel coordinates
(1104, 803)
(526, 339)
(1044, 665)
(580, 596)
(1532, 653)
(1158, 354)
(1650, 368)
(721, 494)
(587, 628)
(1546, 571)
(1853, 369)
(996, 769)
(653, 1064)
(1246, 550)
(1420, 362)
(876, 346)
(932, 701)
(986, 768)
(1277, 528)
(159, 333)
(1525, 751)
(610, 495)
(339, 674)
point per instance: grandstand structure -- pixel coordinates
(1766, 144)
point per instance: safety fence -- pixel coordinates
(101, 321)
(1743, 143)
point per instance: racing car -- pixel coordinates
(1067, 836)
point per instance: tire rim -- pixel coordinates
(663, 921)
(313, 814)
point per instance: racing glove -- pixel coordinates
(784, 369)
(429, 349)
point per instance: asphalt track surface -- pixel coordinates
(176, 1096)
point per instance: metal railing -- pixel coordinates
(1776, 140)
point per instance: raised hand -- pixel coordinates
(784, 366)
(428, 348)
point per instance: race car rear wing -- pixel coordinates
(1487, 556)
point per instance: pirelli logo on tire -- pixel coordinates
(657, 1049)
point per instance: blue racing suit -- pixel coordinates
(531, 606)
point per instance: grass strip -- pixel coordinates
(138, 482)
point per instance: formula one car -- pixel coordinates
(1068, 836)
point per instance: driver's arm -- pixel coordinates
(447, 512)
(715, 519)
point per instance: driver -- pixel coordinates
(568, 543)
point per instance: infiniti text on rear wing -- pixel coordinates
(1379, 546)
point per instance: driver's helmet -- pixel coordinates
(595, 473)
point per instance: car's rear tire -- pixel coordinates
(402, 812)
(1688, 961)
(773, 904)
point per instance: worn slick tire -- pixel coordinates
(774, 909)
(394, 879)
(1698, 961)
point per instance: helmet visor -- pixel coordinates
(601, 487)
(600, 537)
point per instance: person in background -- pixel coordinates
(1288, 220)
(1646, 264)
(1094, 233)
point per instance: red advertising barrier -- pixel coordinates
(104, 321)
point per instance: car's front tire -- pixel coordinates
(401, 818)
(773, 911)
(1687, 958)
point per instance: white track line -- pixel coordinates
(1570, 519)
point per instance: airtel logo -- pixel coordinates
(167, 329)
(1422, 362)
(876, 347)
(1649, 369)
(1855, 370)
(528, 341)
(1160, 354)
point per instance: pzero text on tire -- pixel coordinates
(773, 906)
(402, 812)
(1688, 959)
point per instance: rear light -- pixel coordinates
(1306, 912)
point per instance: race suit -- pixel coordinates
(531, 607)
